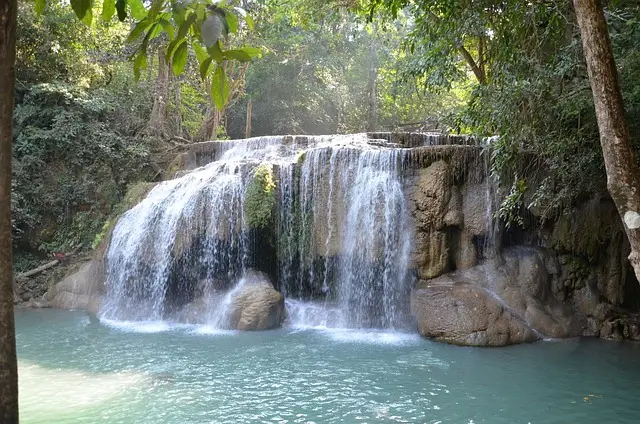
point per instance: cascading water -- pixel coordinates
(341, 235)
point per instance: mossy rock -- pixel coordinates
(260, 199)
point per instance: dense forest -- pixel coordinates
(85, 128)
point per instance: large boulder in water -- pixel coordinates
(255, 304)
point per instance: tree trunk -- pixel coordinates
(8, 360)
(158, 119)
(372, 98)
(247, 128)
(623, 173)
(209, 128)
(178, 102)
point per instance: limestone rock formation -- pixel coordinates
(80, 290)
(502, 301)
(465, 314)
(256, 305)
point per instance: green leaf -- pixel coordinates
(88, 17)
(137, 9)
(40, 5)
(80, 7)
(204, 67)
(251, 51)
(154, 31)
(171, 48)
(232, 22)
(137, 30)
(139, 63)
(238, 54)
(179, 59)
(219, 88)
(216, 52)
(108, 9)
(249, 20)
(121, 7)
(212, 29)
(201, 52)
(184, 27)
(156, 7)
(168, 28)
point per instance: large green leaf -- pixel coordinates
(205, 66)
(108, 9)
(80, 7)
(232, 22)
(140, 62)
(238, 55)
(137, 30)
(168, 28)
(215, 52)
(250, 51)
(40, 5)
(201, 52)
(121, 7)
(88, 17)
(245, 16)
(250, 24)
(183, 30)
(171, 48)
(212, 29)
(219, 88)
(137, 9)
(179, 59)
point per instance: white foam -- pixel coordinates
(142, 326)
(378, 337)
(211, 331)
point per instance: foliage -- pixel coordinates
(526, 78)
(315, 74)
(70, 165)
(260, 198)
(198, 24)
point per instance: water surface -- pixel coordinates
(75, 369)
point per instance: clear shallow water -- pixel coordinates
(77, 370)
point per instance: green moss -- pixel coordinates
(260, 199)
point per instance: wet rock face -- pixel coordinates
(465, 314)
(502, 301)
(80, 290)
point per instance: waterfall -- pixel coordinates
(340, 235)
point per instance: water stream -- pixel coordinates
(341, 234)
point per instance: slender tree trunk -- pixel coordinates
(372, 97)
(623, 173)
(209, 128)
(8, 360)
(247, 128)
(158, 119)
(178, 102)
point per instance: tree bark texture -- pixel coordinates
(8, 360)
(623, 173)
(247, 128)
(158, 119)
(372, 96)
